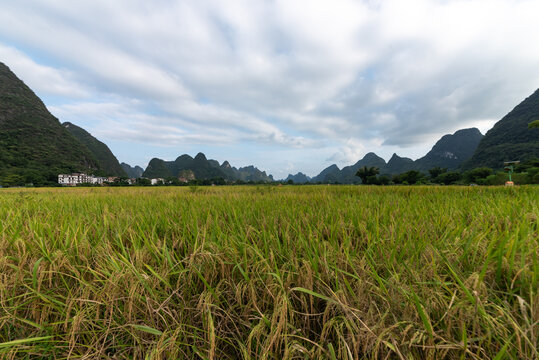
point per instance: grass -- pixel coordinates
(312, 272)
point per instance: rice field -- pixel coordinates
(266, 272)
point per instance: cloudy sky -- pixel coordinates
(285, 85)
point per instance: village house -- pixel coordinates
(98, 180)
(158, 181)
(79, 178)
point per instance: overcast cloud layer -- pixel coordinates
(286, 85)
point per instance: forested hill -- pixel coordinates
(510, 139)
(201, 169)
(132, 172)
(34, 147)
(451, 151)
(107, 161)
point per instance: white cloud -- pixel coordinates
(40, 78)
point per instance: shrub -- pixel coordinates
(474, 175)
(448, 178)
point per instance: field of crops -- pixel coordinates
(267, 272)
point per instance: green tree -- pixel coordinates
(409, 177)
(172, 181)
(449, 178)
(368, 175)
(533, 124)
(143, 182)
(12, 180)
(478, 174)
(384, 180)
(436, 171)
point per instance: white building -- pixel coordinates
(157, 181)
(79, 178)
(98, 180)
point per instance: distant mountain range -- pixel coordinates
(449, 152)
(202, 168)
(35, 148)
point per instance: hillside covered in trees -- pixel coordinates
(34, 147)
(511, 138)
(106, 159)
(201, 168)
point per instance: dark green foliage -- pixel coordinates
(206, 182)
(524, 166)
(448, 178)
(384, 180)
(173, 181)
(106, 159)
(439, 175)
(533, 175)
(34, 147)
(368, 175)
(530, 169)
(12, 180)
(477, 175)
(525, 173)
(510, 139)
(436, 171)
(143, 182)
(409, 178)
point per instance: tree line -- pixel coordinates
(525, 173)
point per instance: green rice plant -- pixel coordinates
(263, 272)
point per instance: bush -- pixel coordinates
(448, 178)
(384, 180)
(496, 179)
(533, 175)
(475, 175)
(410, 177)
(436, 171)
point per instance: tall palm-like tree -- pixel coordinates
(365, 173)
